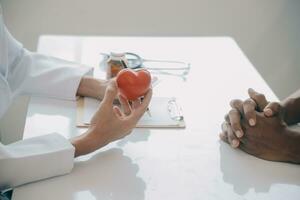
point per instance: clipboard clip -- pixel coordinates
(175, 110)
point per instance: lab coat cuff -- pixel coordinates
(81, 71)
(35, 159)
(51, 155)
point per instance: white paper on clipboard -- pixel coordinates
(165, 113)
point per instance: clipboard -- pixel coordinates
(165, 113)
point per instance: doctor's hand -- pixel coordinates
(111, 122)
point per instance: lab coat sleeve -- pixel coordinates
(37, 74)
(35, 159)
(52, 77)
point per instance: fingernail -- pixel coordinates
(268, 111)
(239, 134)
(235, 143)
(251, 90)
(251, 122)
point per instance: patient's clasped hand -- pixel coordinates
(261, 128)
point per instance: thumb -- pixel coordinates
(272, 109)
(110, 93)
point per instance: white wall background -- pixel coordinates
(267, 30)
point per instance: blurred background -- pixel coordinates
(267, 31)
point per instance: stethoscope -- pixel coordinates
(134, 61)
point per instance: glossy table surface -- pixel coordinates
(189, 163)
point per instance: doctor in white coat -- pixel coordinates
(24, 72)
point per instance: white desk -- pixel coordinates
(164, 164)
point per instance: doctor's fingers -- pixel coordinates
(136, 103)
(120, 115)
(110, 93)
(125, 105)
(140, 109)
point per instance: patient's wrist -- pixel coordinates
(293, 150)
(291, 110)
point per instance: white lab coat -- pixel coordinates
(24, 72)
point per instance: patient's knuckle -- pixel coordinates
(235, 126)
(234, 102)
(231, 136)
(249, 114)
(260, 97)
(249, 103)
(276, 104)
(232, 112)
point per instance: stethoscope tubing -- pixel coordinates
(141, 61)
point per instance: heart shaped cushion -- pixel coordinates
(133, 84)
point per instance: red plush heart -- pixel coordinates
(133, 84)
